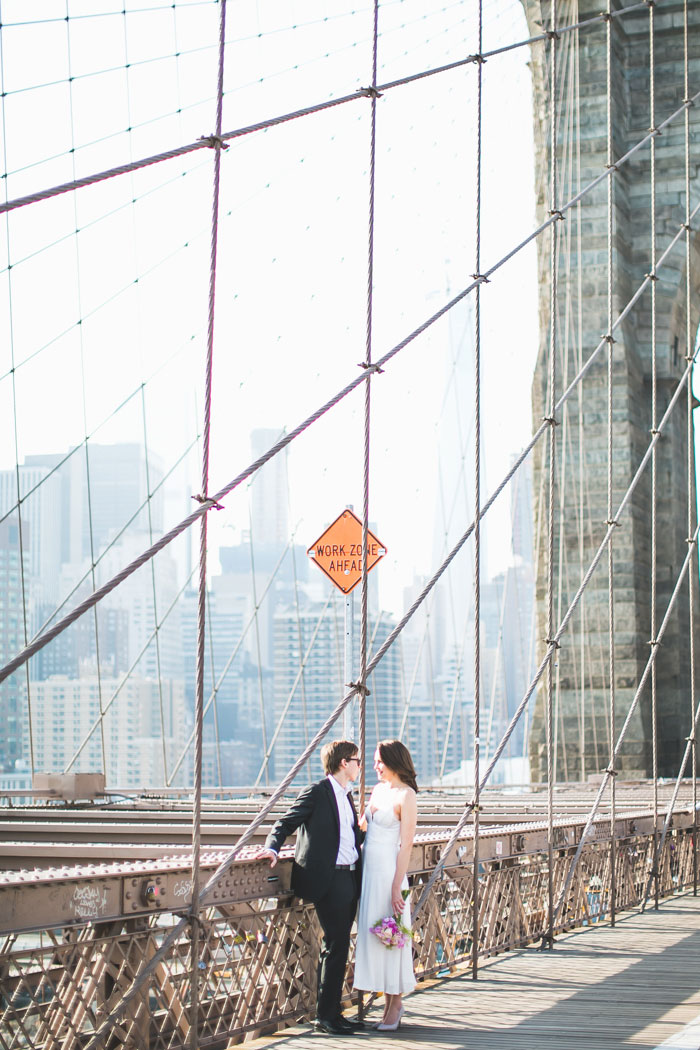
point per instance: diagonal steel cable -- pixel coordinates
(167, 538)
(554, 642)
(208, 142)
(633, 706)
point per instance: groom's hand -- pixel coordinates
(266, 854)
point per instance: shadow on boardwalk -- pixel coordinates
(632, 987)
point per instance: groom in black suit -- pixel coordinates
(327, 870)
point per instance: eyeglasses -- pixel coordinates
(354, 759)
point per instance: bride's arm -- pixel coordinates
(408, 818)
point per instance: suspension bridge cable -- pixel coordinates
(232, 656)
(203, 499)
(213, 501)
(659, 847)
(610, 363)
(367, 366)
(206, 142)
(24, 585)
(476, 903)
(134, 664)
(654, 458)
(303, 660)
(246, 837)
(690, 438)
(633, 706)
(554, 644)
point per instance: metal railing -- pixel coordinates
(74, 941)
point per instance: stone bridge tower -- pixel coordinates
(582, 671)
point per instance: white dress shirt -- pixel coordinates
(347, 851)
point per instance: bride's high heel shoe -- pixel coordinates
(391, 1027)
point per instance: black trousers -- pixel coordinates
(336, 912)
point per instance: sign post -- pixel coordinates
(338, 553)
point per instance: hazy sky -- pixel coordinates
(107, 288)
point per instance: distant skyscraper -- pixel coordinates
(41, 507)
(115, 495)
(13, 690)
(306, 695)
(67, 709)
(269, 494)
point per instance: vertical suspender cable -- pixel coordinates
(477, 500)
(579, 362)
(552, 35)
(368, 390)
(368, 417)
(20, 525)
(611, 594)
(201, 604)
(81, 344)
(689, 349)
(654, 720)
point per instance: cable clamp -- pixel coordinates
(552, 641)
(650, 3)
(689, 228)
(690, 739)
(612, 167)
(552, 34)
(552, 420)
(655, 131)
(479, 59)
(691, 540)
(688, 101)
(213, 141)
(370, 92)
(653, 431)
(611, 772)
(360, 688)
(205, 499)
(613, 521)
(367, 367)
(652, 276)
(609, 339)
(556, 214)
(606, 16)
(481, 278)
(653, 641)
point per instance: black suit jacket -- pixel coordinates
(314, 815)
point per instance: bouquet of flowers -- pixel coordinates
(391, 931)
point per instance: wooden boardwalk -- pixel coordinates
(634, 986)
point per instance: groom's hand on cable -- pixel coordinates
(266, 854)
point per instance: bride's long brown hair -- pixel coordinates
(397, 758)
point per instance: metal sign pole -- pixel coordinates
(350, 711)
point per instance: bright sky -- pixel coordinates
(292, 269)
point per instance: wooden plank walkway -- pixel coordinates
(634, 986)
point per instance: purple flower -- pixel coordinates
(391, 932)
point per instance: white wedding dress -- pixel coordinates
(380, 969)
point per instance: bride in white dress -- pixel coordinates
(391, 825)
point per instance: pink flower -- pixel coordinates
(391, 932)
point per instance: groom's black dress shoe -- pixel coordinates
(355, 1025)
(336, 1026)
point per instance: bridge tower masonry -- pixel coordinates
(582, 677)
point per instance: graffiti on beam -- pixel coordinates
(89, 902)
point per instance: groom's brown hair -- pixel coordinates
(332, 754)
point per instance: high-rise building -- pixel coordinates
(66, 716)
(269, 494)
(41, 509)
(309, 680)
(13, 691)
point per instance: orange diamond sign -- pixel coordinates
(338, 551)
